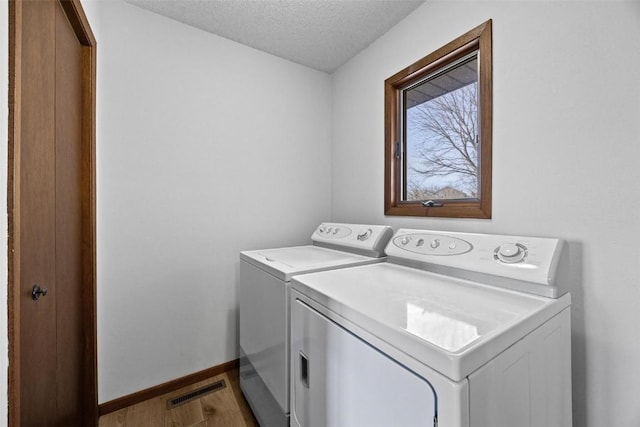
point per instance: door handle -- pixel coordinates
(304, 369)
(37, 292)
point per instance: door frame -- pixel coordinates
(80, 24)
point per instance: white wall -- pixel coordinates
(566, 149)
(205, 148)
(4, 137)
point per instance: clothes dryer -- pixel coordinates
(263, 293)
(454, 330)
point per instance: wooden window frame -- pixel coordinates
(480, 39)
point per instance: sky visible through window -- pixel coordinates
(442, 146)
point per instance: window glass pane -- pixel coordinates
(441, 135)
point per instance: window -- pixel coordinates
(438, 114)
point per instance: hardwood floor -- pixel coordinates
(225, 407)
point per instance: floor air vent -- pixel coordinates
(192, 395)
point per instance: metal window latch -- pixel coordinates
(398, 154)
(431, 204)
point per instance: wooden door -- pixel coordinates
(52, 374)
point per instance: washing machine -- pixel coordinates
(454, 330)
(263, 294)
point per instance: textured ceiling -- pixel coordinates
(321, 34)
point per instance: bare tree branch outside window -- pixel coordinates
(443, 146)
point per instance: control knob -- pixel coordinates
(510, 252)
(365, 235)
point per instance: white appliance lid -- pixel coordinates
(286, 262)
(452, 325)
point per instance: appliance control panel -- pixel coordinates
(434, 244)
(360, 238)
(532, 262)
